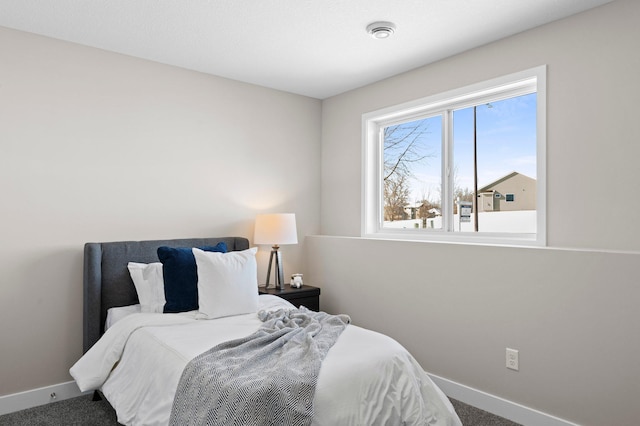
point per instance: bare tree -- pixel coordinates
(402, 150)
(396, 193)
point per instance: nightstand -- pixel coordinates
(306, 295)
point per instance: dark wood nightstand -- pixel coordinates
(306, 295)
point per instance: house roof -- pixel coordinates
(487, 188)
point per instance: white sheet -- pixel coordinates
(116, 314)
(366, 379)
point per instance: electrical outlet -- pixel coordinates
(513, 362)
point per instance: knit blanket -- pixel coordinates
(266, 378)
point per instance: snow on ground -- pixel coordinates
(523, 221)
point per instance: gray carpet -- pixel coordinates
(82, 411)
(472, 416)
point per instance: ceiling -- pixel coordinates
(317, 48)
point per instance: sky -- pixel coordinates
(506, 142)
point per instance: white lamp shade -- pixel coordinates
(275, 229)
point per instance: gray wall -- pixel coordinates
(96, 146)
(571, 308)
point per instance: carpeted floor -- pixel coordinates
(82, 411)
(472, 416)
(78, 411)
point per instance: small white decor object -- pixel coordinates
(296, 280)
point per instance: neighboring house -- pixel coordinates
(512, 192)
(417, 210)
(411, 211)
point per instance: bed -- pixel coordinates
(364, 378)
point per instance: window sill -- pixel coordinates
(485, 239)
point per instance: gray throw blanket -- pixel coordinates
(267, 378)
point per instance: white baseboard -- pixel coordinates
(40, 396)
(498, 406)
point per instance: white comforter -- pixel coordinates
(366, 379)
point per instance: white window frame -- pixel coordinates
(373, 123)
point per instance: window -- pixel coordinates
(448, 167)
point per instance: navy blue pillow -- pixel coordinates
(181, 276)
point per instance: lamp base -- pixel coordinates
(279, 279)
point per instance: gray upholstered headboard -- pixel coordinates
(107, 282)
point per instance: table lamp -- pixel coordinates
(275, 229)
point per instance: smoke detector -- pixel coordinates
(381, 29)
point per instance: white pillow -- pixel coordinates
(227, 282)
(149, 284)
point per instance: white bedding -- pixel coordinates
(116, 314)
(366, 379)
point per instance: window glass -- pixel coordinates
(464, 164)
(412, 174)
(494, 152)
